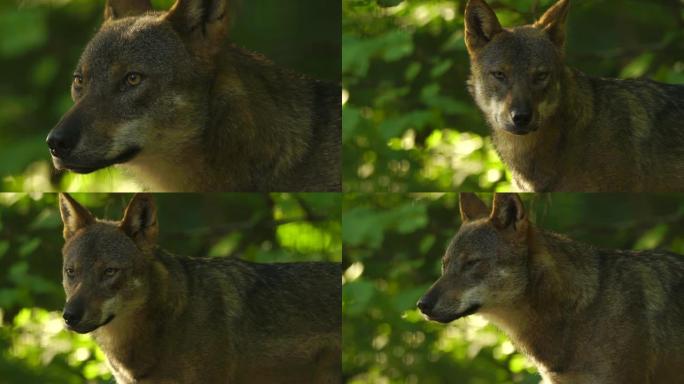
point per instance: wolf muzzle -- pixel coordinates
(427, 303)
(521, 119)
(64, 137)
(73, 315)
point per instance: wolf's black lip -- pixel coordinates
(109, 319)
(448, 319)
(126, 156)
(90, 329)
(518, 131)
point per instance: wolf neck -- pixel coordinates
(538, 159)
(262, 128)
(131, 342)
(563, 281)
(180, 171)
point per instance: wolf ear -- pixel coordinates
(116, 9)
(553, 22)
(140, 221)
(74, 215)
(481, 25)
(472, 208)
(508, 212)
(203, 24)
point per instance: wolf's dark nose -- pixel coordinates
(521, 118)
(60, 144)
(425, 305)
(72, 317)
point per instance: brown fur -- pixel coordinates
(161, 318)
(581, 314)
(584, 134)
(203, 116)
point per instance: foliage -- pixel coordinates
(41, 41)
(409, 123)
(393, 246)
(258, 227)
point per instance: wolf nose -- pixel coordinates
(71, 317)
(60, 145)
(521, 118)
(424, 305)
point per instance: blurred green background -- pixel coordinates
(409, 123)
(41, 41)
(34, 345)
(392, 249)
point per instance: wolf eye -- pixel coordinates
(69, 271)
(499, 75)
(541, 76)
(109, 272)
(78, 80)
(471, 263)
(133, 79)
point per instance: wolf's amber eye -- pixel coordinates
(109, 272)
(78, 80)
(471, 263)
(499, 75)
(541, 76)
(133, 79)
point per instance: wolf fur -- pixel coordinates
(161, 318)
(164, 95)
(558, 129)
(580, 313)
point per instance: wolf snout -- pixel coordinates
(425, 304)
(520, 122)
(60, 143)
(65, 135)
(72, 316)
(521, 118)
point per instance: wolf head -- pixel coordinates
(485, 266)
(516, 73)
(141, 84)
(105, 264)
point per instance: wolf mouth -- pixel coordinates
(126, 156)
(90, 329)
(519, 131)
(448, 319)
(107, 321)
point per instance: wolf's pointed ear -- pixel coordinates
(508, 212)
(203, 24)
(472, 208)
(481, 25)
(74, 215)
(553, 22)
(140, 221)
(116, 9)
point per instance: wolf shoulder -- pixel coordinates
(308, 134)
(643, 267)
(287, 288)
(657, 107)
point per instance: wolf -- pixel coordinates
(161, 318)
(164, 95)
(558, 129)
(580, 313)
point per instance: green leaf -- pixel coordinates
(357, 295)
(22, 30)
(29, 247)
(652, 238)
(639, 66)
(351, 119)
